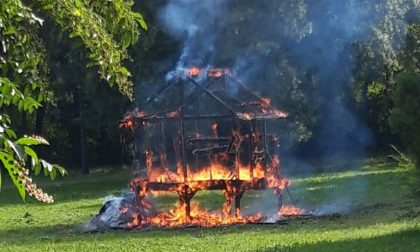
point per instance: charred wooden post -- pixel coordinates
(238, 197)
(227, 206)
(149, 161)
(183, 160)
(233, 192)
(182, 133)
(185, 194)
(279, 199)
(265, 144)
(251, 151)
(139, 187)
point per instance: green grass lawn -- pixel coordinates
(383, 214)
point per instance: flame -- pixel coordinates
(290, 210)
(173, 114)
(128, 121)
(193, 71)
(127, 124)
(212, 172)
(279, 113)
(245, 116)
(177, 217)
(217, 72)
(265, 104)
(200, 217)
(213, 127)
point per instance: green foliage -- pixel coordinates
(411, 56)
(405, 116)
(375, 89)
(22, 54)
(379, 59)
(24, 69)
(121, 22)
(15, 155)
(11, 95)
(13, 169)
(95, 31)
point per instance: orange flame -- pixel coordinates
(201, 217)
(211, 73)
(265, 104)
(290, 210)
(213, 127)
(127, 124)
(245, 116)
(217, 72)
(193, 71)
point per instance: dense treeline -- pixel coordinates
(347, 88)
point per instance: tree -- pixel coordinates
(405, 116)
(105, 29)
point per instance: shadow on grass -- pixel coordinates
(407, 240)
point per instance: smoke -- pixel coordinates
(197, 25)
(337, 206)
(263, 202)
(300, 53)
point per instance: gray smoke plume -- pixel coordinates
(197, 24)
(301, 53)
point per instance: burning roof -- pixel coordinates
(205, 84)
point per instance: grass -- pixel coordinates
(380, 202)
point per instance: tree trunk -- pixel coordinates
(83, 135)
(24, 124)
(40, 115)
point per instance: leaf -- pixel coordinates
(60, 169)
(91, 64)
(139, 18)
(126, 40)
(31, 153)
(125, 71)
(143, 24)
(93, 56)
(32, 102)
(32, 140)
(73, 35)
(37, 168)
(16, 148)
(47, 166)
(77, 13)
(9, 164)
(53, 174)
(11, 133)
(46, 172)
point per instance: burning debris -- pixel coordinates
(202, 138)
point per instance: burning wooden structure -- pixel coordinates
(210, 132)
